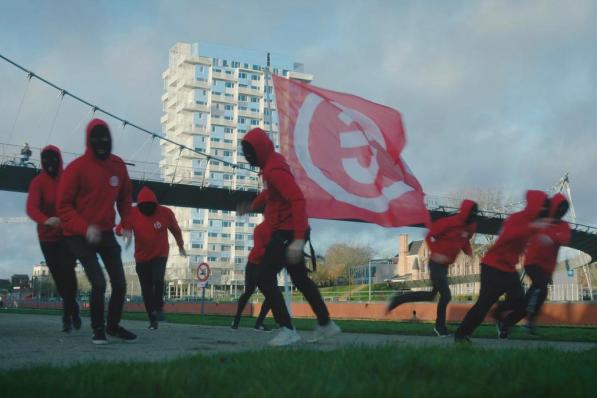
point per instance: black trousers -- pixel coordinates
(251, 279)
(62, 263)
(494, 283)
(274, 260)
(151, 276)
(439, 277)
(534, 298)
(109, 251)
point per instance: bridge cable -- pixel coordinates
(96, 108)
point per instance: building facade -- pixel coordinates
(212, 96)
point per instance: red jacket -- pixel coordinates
(151, 232)
(448, 235)
(544, 245)
(88, 189)
(285, 203)
(41, 201)
(516, 231)
(261, 237)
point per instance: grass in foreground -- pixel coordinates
(552, 333)
(373, 372)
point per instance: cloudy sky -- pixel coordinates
(495, 95)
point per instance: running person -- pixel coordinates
(286, 216)
(41, 208)
(446, 238)
(498, 266)
(261, 236)
(540, 263)
(88, 190)
(150, 223)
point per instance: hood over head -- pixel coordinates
(261, 145)
(51, 160)
(468, 211)
(98, 139)
(147, 201)
(559, 206)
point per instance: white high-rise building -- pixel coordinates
(213, 96)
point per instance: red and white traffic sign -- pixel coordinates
(203, 272)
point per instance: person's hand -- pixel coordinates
(52, 222)
(182, 251)
(93, 235)
(439, 258)
(243, 208)
(127, 236)
(294, 252)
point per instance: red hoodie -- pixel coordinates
(151, 232)
(543, 247)
(41, 201)
(448, 235)
(261, 237)
(516, 231)
(285, 203)
(88, 189)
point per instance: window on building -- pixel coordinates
(197, 221)
(212, 234)
(239, 237)
(225, 236)
(242, 75)
(226, 224)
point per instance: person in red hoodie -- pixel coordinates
(540, 262)
(261, 236)
(498, 266)
(41, 208)
(150, 223)
(88, 190)
(446, 238)
(286, 216)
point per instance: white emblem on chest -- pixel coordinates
(114, 181)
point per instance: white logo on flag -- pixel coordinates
(349, 139)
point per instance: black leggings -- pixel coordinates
(62, 265)
(534, 298)
(274, 260)
(494, 283)
(151, 277)
(109, 251)
(251, 279)
(439, 277)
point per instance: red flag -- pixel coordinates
(344, 152)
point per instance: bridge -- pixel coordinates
(17, 179)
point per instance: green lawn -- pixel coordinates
(554, 333)
(389, 371)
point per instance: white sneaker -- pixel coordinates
(324, 332)
(285, 337)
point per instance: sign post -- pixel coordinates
(203, 273)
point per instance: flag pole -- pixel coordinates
(269, 80)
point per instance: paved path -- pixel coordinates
(27, 340)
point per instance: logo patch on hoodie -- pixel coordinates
(157, 225)
(114, 181)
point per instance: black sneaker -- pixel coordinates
(531, 328)
(67, 327)
(234, 325)
(77, 322)
(464, 340)
(262, 328)
(441, 331)
(153, 326)
(99, 337)
(123, 334)
(502, 330)
(159, 315)
(395, 301)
